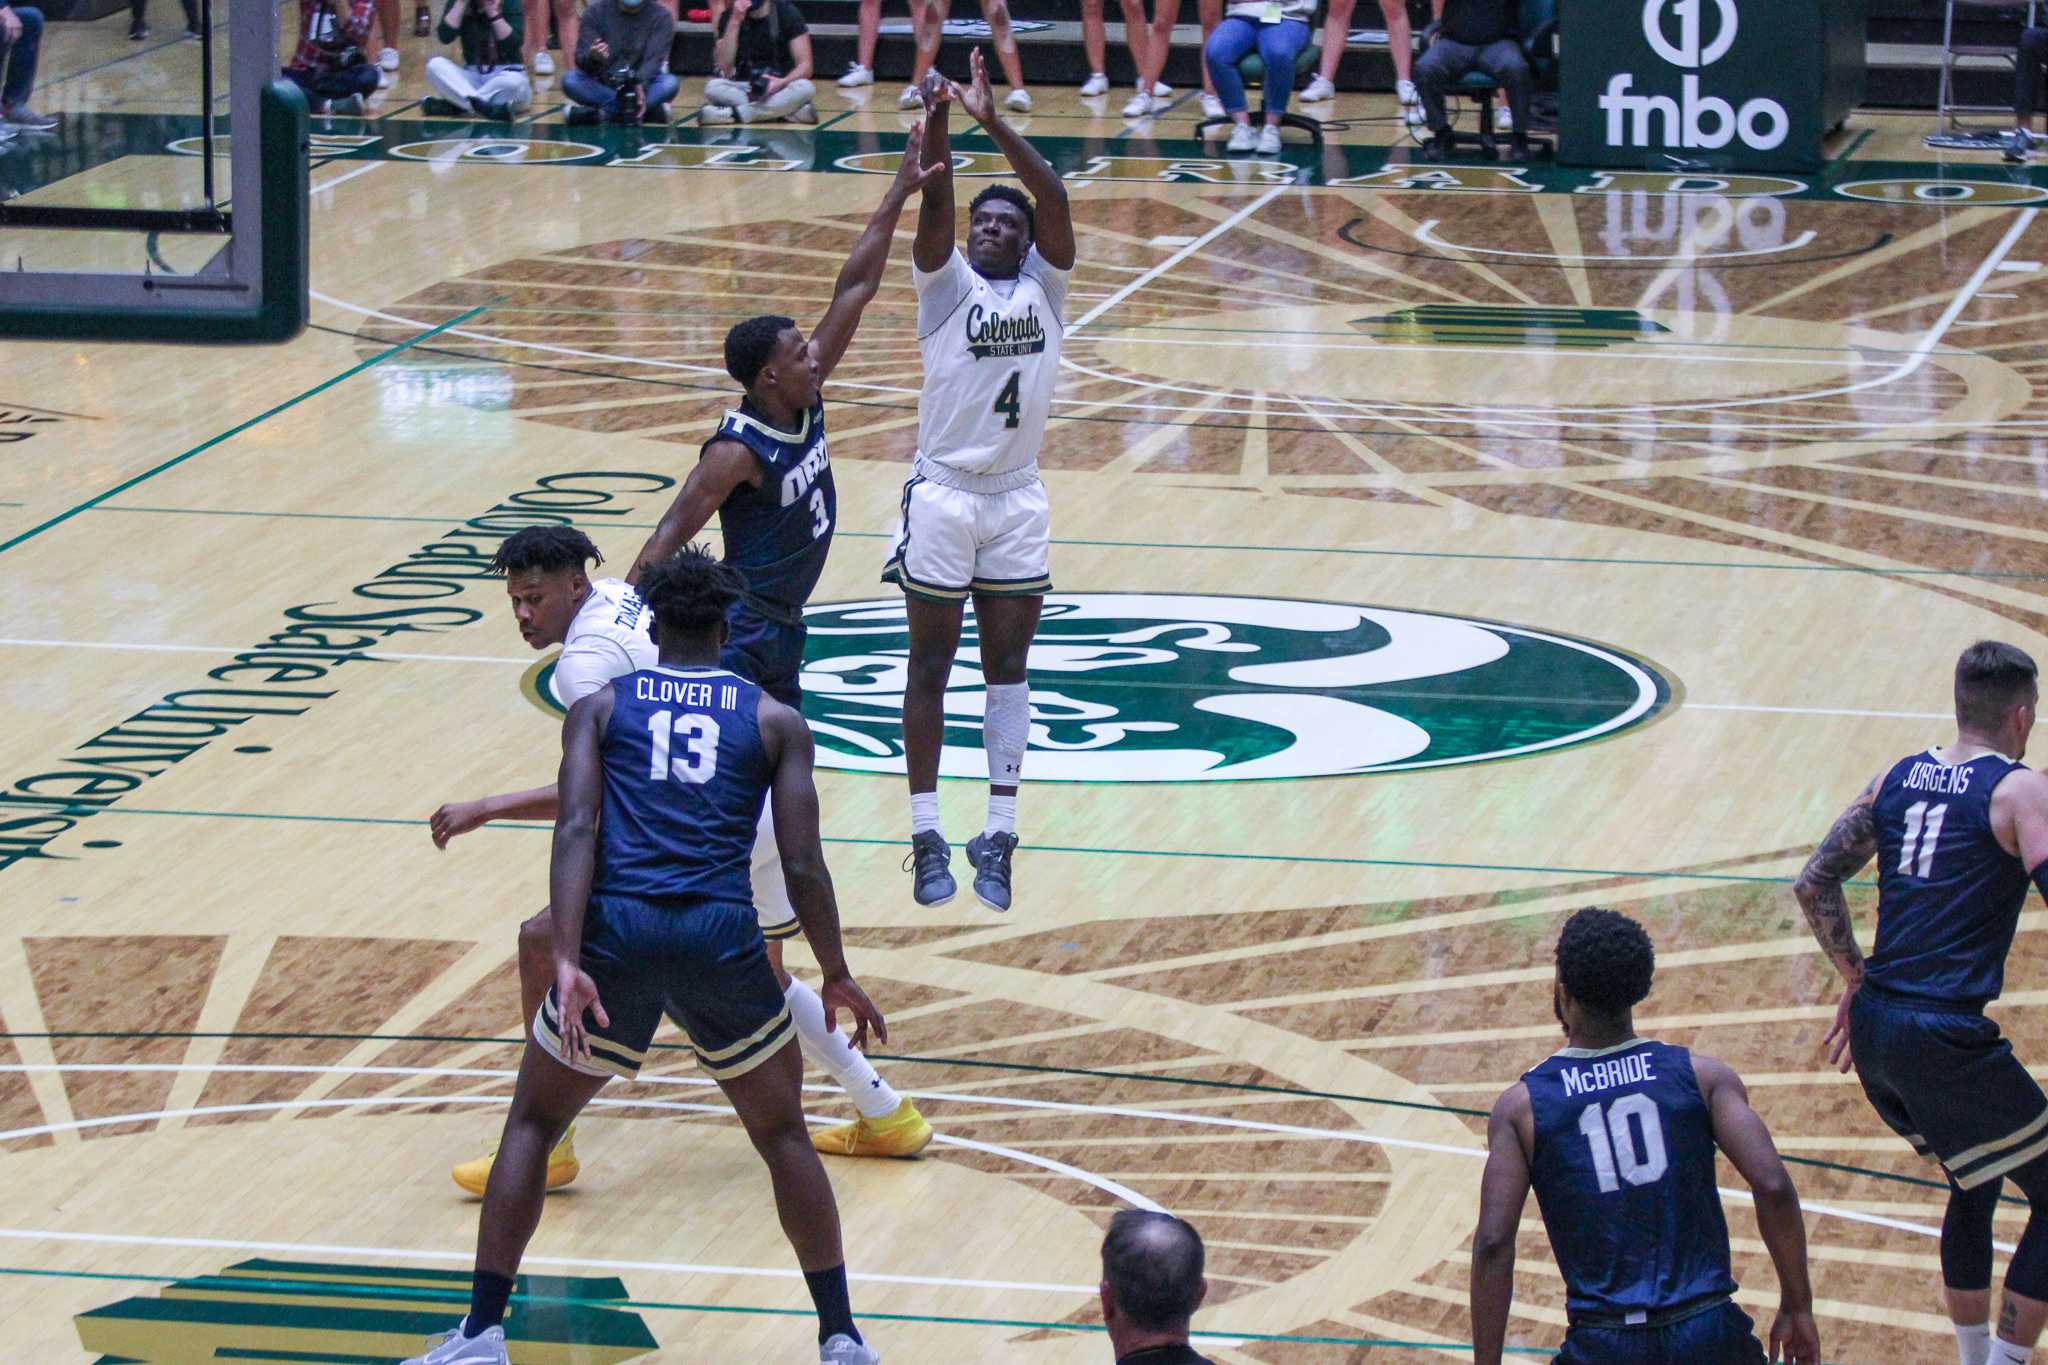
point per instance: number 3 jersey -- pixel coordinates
(991, 356)
(777, 535)
(685, 775)
(1624, 1173)
(1948, 896)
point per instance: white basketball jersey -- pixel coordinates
(612, 635)
(991, 357)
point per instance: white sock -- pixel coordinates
(2004, 1352)
(1002, 814)
(1973, 1343)
(924, 811)
(1006, 730)
(828, 1047)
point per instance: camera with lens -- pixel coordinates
(625, 82)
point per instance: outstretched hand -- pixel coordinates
(911, 174)
(976, 97)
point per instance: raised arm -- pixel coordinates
(934, 244)
(726, 465)
(1055, 230)
(1503, 1192)
(460, 817)
(725, 49)
(1850, 845)
(795, 799)
(861, 277)
(573, 863)
(1742, 1136)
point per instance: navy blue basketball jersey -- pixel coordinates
(685, 774)
(1624, 1174)
(1948, 897)
(777, 535)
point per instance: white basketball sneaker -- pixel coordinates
(1020, 100)
(1096, 84)
(844, 1350)
(1212, 107)
(856, 76)
(1318, 91)
(456, 1349)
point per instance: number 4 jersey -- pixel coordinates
(991, 356)
(1948, 896)
(685, 775)
(1624, 1173)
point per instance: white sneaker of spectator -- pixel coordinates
(1020, 100)
(910, 98)
(385, 80)
(1269, 140)
(856, 76)
(1161, 90)
(1096, 84)
(543, 64)
(1318, 91)
(1242, 139)
(388, 59)
(1211, 106)
(1142, 105)
(1503, 119)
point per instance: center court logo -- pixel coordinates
(1693, 120)
(1143, 687)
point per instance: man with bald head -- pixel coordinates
(1151, 1286)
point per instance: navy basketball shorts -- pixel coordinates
(766, 653)
(1722, 1335)
(1948, 1083)
(703, 964)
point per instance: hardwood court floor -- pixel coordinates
(1672, 510)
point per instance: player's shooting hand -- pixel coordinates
(575, 992)
(843, 992)
(457, 817)
(1794, 1339)
(976, 97)
(1837, 1040)
(911, 174)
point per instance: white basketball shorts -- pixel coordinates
(950, 542)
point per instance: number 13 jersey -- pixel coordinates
(991, 356)
(1624, 1173)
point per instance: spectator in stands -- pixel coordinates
(329, 63)
(490, 81)
(1400, 46)
(21, 38)
(927, 23)
(614, 35)
(138, 19)
(1151, 1286)
(763, 63)
(535, 47)
(1279, 30)
(2027, 67)
(1474, 35)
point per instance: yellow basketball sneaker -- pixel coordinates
(903, 1133)
(562, 1166)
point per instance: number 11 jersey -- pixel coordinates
(1948, 895)
(1624, 1173)
(991, 357)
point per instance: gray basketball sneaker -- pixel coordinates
(455, 1349)
(990, 854)
(841, 1349)
(931, 860)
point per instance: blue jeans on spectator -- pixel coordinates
(20, 57)
(360, 79)
(587, 89)
(1278, 44)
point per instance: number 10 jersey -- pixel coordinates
(1624, 1173)
(991, 357)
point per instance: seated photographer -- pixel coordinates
(621, 71)
(329, 63)
(491, 80)
(1474, 35)
(763, 61)
(2027, 64)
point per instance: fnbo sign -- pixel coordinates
(1645, 82)
(1144, 687)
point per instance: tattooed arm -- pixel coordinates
(1850, 845)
